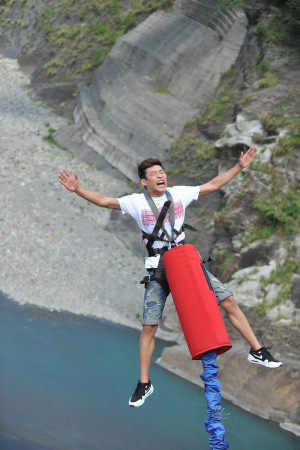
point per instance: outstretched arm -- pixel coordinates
(72, 184)
(219, 181)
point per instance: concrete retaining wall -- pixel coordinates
(155, 78)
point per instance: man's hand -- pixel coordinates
(220, 181)
(66, 180)
(94, 197)
(246, 159)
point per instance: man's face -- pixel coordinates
(155, 181)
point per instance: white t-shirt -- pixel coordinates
(137, 206)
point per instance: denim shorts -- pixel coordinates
(155, 299)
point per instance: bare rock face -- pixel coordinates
(256, 280)
(295, 293)
(156, 78)
(240, 133)
(246, 286)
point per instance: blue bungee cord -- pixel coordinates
(213, 424)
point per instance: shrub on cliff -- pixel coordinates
(277, 20)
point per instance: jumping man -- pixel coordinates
(141, 208)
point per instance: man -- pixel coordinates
(154, 179)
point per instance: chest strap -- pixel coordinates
(164, 236)
(159, 224)
(171, 215)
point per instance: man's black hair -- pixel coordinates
(144, 165)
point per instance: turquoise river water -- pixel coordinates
(65, 381)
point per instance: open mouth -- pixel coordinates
(160, 183)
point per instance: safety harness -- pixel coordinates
(170, 240)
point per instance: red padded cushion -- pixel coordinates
(196, 305)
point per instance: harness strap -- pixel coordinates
(156, 215)
(160, 251)
(174, 233)
(171, 215)
(158, 274)
(186, 225)
(209, 259)
(158, 225)
(164, 236)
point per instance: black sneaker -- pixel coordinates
(263, 357)
(143, 390)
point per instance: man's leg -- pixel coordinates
(257, 354)
(154, 302)
(147, 345)
(239, 321)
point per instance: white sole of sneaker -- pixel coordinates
(142, 401)
(271, 365)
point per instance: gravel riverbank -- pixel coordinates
(56, 251)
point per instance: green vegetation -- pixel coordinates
(225, 258)
(78, 34)
(280, 212)
(283, 276)
(278, 208)
(146, 7)
(260, 308)
(277, 20)
(274, 121)
(255, 232)
(267, 73)
(188, 156)
(223, 104)
(246, 98)
(292, 122)
(280, 22)
(86, 35)
(5, 5)
(51, 140)
(287, 145)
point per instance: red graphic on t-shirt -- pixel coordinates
(148, 218)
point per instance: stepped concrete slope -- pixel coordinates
(155, 78)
